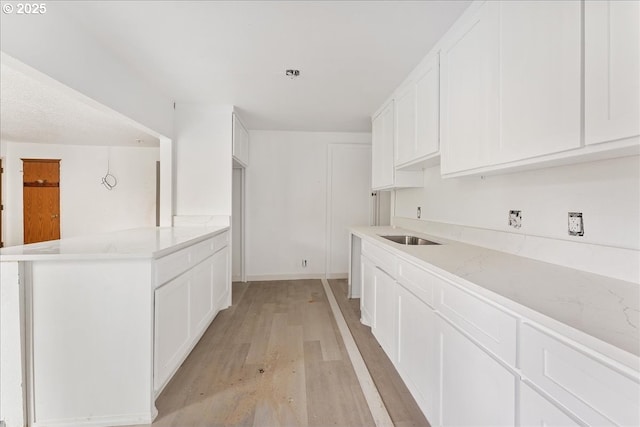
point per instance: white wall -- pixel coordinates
(203, 160)
(86, 207)
(606, 192)
(286, 184)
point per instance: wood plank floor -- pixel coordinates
(274, 358)
(402, 408)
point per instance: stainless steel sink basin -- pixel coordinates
(410, 240)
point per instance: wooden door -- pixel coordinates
(41, 200)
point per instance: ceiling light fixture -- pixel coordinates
(292, 74)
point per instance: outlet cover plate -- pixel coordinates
(576, 226)
(515, 219)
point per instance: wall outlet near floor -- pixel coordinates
(576, 226)
(515, 219)
(419, 214)
(304, 263)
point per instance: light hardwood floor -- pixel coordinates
(402, 407)
(276, 358)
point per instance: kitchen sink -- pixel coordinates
(410, 240)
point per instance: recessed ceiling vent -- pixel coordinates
(292, 74)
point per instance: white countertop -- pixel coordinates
(601, 307)
(150, 242)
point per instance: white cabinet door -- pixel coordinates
(201, 296)
(172, 334)
(220, 279)
(540, 73)
(405, 124)
(612, 70)
(476, 390)
(382, 173)
(469, 92)
(367, 292)
(384, 325)
(416, 360)
(428, 110)
(240, 142)
(536, 411)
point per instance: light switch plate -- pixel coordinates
(576, 226)
(515, 219)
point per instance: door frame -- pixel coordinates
(243, 221)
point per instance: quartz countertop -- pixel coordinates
(148, 242)
(558, 297)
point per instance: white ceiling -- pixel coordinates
(351, 54)
(36, 110)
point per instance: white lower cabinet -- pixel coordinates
(536, 411)
(185, 306)
(586, 384)
(384, 324)
(476, 390)
(416, 357)
(368, 292)
(469, 361)
(171, 327)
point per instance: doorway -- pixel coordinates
(238, 268)
(41, 199)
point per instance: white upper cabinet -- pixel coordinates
(540, 89)
(469, 91)
(428, 110)
(417, 117)
(383, 174)
(240, 142)
(382, 149)
(405, 124)
(612, 70)
(511, 84)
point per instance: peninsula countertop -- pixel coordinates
(147, 242)
(603, 308)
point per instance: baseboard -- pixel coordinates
(337, 276)
(271, 277)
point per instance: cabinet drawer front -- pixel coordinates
(202, 250)
(172, 265)
(417, 280)
(586, 385)
(381, 258)
(488, 325)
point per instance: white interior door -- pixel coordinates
(349, 191)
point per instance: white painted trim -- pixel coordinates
(166, 181)
(374, 401)
(243, 227)
(295, 276)
(337, 276)
(12, 345)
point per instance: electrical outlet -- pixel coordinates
(515, 219)
(304, 263)
(419, 212)
(576, 226)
